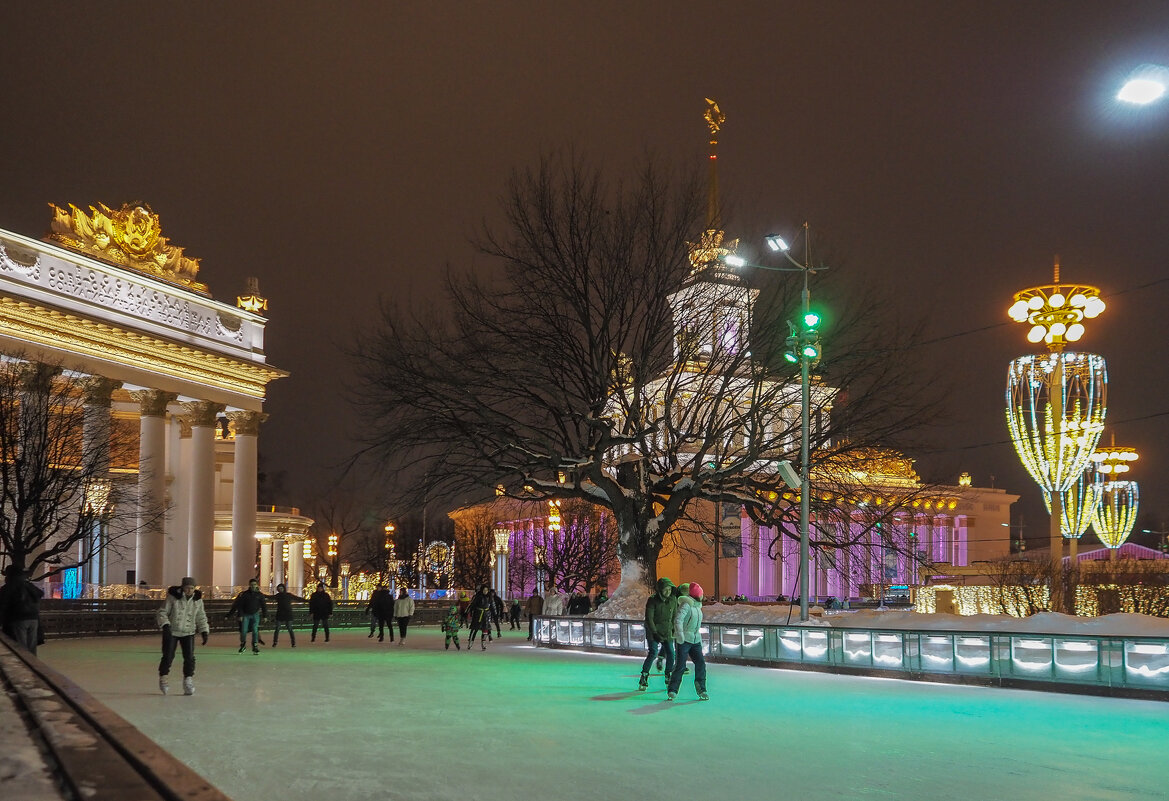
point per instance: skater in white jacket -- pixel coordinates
(688, 641)
(181, 618)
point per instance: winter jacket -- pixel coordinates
(535, 606)
(687, 620)
(481, 611)
(284, 605)
(660, 609)
(381, 604)
(185, 616)
(20, 599)
(320, 604)
(450, 623)
(496, 606)
(404, 607)
(249, 602)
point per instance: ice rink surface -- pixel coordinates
(355, 720)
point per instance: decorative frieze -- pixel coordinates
(246, 424)
(203, 414)
(152, 402)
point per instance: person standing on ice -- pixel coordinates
(180, 618)
(284, 601)
(20, 607)
(496, 613)
(250, 607)
(381, 607)
(660, 609)
(450, 627)
(479, 613)
(320, 606)
(687, 623)
(403, 609)
(513, 614)
(535, 609)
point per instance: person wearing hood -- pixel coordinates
(450, 627)
(20, 607)
(659, 630)
(688, 642)
(181, 618)
(320, 606)
(284, 601)
(381, 609)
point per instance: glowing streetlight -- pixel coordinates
(1147, 84)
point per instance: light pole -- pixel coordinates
(1147, 84)
(803, 346)
(499, 575)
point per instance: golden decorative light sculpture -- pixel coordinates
(1078, 504)
(1056, 403)
(1116, 513)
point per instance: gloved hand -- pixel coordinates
(204, 635)
(166, 631)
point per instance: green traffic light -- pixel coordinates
(791, 357)
(811, 351)
(811, 319)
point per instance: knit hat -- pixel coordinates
(187, 582)
(696, 590)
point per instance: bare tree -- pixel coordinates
(67, 468)
(474, 544)
(345, 511)
(605, 361)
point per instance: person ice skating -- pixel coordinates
(181, 617)
(403, 609)
(535, 609)
(251, 608)
(479, 613)
(320, 606)
(496, 613)
(20, 607)
(284, 601)
(463, 603)
(660, 609)
(513, 614)
(688, 642)
(450, 628)
(381, 607)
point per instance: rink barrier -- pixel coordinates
(91, 751)
(1136, 667)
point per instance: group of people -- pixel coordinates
(385, 610)
(673, 618)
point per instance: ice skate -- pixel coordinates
(255, 650)
(370, 635)
(702, 696)
(188, 685)
(671, 696)
(164, 684)
(643, 684)
(241, 648)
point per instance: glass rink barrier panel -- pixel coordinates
(1138, 662)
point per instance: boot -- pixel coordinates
(447, 647)
(457, 648)
(370, 634)
(188, 685)
(381, 637)
(164, 684)
(702, 696)
(255, 650)
(643, 684)
(242, 646)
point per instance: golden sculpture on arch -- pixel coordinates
(129, 237)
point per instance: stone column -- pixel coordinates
(201, 526)
(179, 519)
(148, 555)
(277, 560)
(295, 579)
(266, 565)
(243, 497)
(97, 420)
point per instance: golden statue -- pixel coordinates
(129, 237)
(714, 118)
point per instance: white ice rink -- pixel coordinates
(357, 720)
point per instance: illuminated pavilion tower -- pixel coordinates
(1056, 402)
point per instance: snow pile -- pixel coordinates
(630, 606)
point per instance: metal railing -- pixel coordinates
(1131, 665)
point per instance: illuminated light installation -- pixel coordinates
(1078, 504)
(1056, 403)
(1116, 513)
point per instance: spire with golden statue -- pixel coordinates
(709, 252)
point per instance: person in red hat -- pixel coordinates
(688, 641)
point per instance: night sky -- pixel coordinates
(345, 151)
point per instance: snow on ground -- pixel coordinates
(1120, 625)
(354, 720)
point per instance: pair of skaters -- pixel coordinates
(673, 619)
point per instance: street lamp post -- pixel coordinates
(804, 348)
(499, 575)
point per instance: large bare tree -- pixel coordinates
(67, 481)
(593, 355)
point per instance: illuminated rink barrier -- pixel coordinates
(1136, 666)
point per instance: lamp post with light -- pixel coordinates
(499, 560)
(803, 347)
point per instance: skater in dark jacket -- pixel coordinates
(251, 608)
(535, 609)
(496, 612)
(381, 607)
(479, 613)
(284, 601)
(513, 614)
(659, 630)
(20, 607)
(320, 606)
